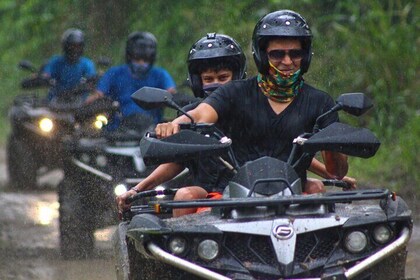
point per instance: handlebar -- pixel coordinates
(336, 183)
(150, 193)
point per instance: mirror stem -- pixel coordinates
(336, 108)
(177, 107)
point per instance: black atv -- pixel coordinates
(264, 227)
(96, 170)
(39, 127)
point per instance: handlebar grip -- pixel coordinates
(151, 134)
(336, 183)
(149, 193)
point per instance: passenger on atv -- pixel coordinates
(213, 60)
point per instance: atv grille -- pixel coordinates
(250, 248)
(315, 245)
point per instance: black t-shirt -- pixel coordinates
(256, 130)
(209, 172)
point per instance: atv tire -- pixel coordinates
(76, 230)
(21, 163)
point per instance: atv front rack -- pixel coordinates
(324, 198)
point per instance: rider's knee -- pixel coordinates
(190, 193)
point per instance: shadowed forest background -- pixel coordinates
(368, 46)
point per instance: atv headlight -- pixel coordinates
(178, 245)
(382, 234)
(85, 158)
(46, 124)
(208, 249)
(100, 121)
(120, 189)
(101, 161)
(356, 241)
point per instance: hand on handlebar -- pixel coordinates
(121, 200)
(352, 182)
(166, 129)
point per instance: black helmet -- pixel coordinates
(214, 51)
(283, 23)
(141, 45)
(73, 42)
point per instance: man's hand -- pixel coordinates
(93, 96)
(351, 181)
(121, 200)
(166, 129)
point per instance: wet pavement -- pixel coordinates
(29, 241)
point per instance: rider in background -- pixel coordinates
(213, 60)
(70, 69)
(120, 82)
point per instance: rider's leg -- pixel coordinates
(188, 193)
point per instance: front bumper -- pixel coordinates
(351, 273)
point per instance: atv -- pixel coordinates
(39, 127)
(264, 227)
(96, 170)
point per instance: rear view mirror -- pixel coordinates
(27, 65)
(151, 98)
(355, 104)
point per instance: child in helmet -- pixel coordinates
(214, 60)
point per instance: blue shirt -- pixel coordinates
(119, 84)
(67, 76)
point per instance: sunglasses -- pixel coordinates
(278, 55)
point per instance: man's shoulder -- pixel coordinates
(56, 59)
(241, 84)
(118, 69)
(86, 60)
(157, 70)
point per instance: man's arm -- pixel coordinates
(335, 164)
(204, 113)
(161, 174)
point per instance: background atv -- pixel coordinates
(38, 127)
(96, 170)
(264, 227)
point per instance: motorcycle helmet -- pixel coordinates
(73, 43)
(141, 45)
(283, 23)
(215, 51)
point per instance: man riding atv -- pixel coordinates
(71, 69)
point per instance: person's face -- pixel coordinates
(212, 77)
(285, 54)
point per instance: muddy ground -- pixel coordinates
(29, 240)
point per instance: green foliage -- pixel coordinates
(369, 46)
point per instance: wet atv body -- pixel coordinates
(264, 227)
(276, 233)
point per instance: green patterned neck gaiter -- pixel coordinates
(280, 89)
